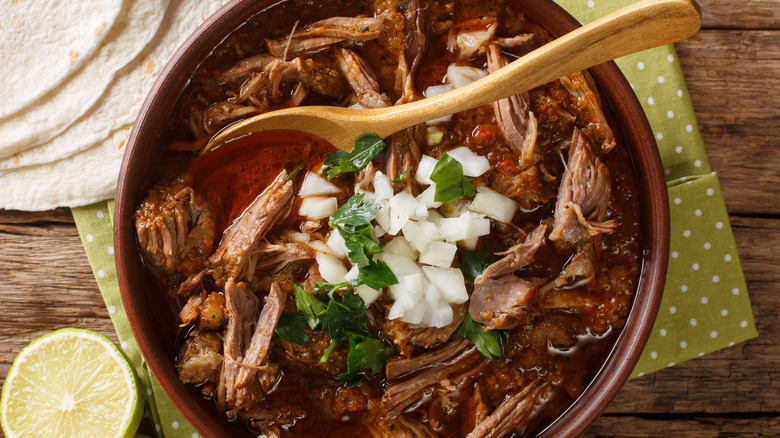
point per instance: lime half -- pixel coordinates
(70, 383)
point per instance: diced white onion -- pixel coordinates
(435, 218)
(319, 246)
(460, 75)
(352, 274)
(450, 283)
(382, 187)
(427, 198)
(368, 294)
(377, 232)
(402, 207)
(337, 245)
(465, 226)
(299, 237)
(315, 185)
(414, 314)
(332, 269)
(438, 253)
(436, 90)
(494, 205)
(400, 246)
(318, 207)
(424, 170)
(469, 244)
(473, 164)
(420, 234)
(434, 135)
(383, 215)
(438, 314)
(400, 265)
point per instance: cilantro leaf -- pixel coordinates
(355, 213)
(361, 245)
(490, 343)
(474, 263)
(346, 315)
(309, 305)
(329, 288)
(400, 178)
(290, 328)
(366, 148)
(376, 275)
(365, 353)
(450, 182)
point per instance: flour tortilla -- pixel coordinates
(52, 113)
(43, 41)
(91, 174)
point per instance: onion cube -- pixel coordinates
(352, 274)
(460, 75)
(368, 294)
(383, 215)
(402, 207)
(401, 266)
(318, 207)
(319, 246)
(400, 246)
(424, 170)
(427, 198)
(438, 314)
(420, 234)
(336, 244)
(414, 314)
(438, 253)
(382, 187)
(315, 185)
(450, 283)
(473, 164)
(494, 205)
(331, 268)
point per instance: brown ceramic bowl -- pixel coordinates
(152, 322)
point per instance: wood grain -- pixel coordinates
(687, 427)
(734, 84)
(729, 14)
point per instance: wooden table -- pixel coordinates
(732, 68)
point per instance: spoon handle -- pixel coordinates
(642, 25)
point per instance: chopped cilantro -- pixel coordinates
(328, 351)
(490, 343)
(290, 328)
(365, 353)
(309, 305)
(366, 148)
(329, 288)
(474, 263)
(376, 275)
(361, 245)
(346, 313)
(400, 178)
(355, 213)
(450, 182)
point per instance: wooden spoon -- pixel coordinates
(640, 26)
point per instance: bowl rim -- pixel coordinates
(628, 346)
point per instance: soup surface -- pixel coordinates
(465, 277)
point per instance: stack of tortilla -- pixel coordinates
(74, 77)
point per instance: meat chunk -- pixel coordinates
(175, 229)
(501, 298)
(239, 241)
(241, 306)
(361, 78)
(321, 35)
(513, 414)
(200, 359)
(403, 153)
(399, 367)
(209, 309)
(587, 102)
(257, 352)
(277, 256)
(462, 364)
(516, 121)
(583, 196)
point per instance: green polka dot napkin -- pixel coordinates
(705, 305)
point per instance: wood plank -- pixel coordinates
(693, 427)
(59, 215)
(47, 284)
(751, 14)
(733, 81)
(743, 378)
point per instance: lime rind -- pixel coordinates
(132, 408)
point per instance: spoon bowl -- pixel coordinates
(642, 25)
